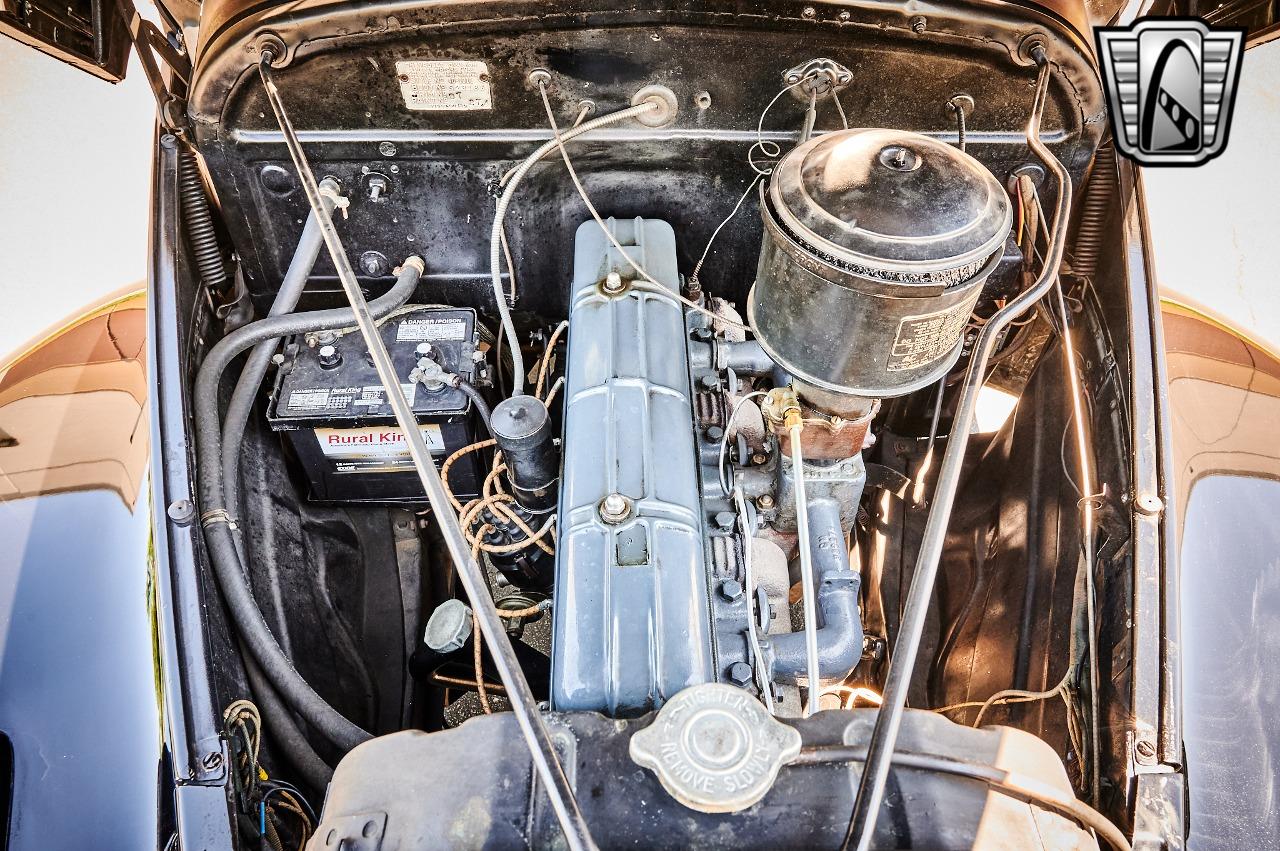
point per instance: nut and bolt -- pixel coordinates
(918, 24)
(613, 284)
(1146, 750)
(387, 149)
(377, 189)
(739, 673)
(731, 590)
(374, 264)
(764, 501)
(759, 458)
(809, 11)
(615, 508)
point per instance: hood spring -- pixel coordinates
(198, 222)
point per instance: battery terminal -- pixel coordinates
(429, 372)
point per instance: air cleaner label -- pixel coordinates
(375, 449)
(926, 337)
(444, 85)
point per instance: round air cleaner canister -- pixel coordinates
(876, 246)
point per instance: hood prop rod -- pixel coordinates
(884, 737)
(545, 761)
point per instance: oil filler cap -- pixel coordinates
(715, 748)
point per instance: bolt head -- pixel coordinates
(182, 511)
(725, 519)
(714, 433)
(731, 590)
(764, 501)
(374, 264)
(387, 149)
(1149, 503)
(613, 283)
(739, 673)
(614, 508)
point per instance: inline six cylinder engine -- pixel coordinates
(678, 526)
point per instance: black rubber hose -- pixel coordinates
(283, 731)
(202, 239)
(219, 540)
(255, 367)
(482, 407)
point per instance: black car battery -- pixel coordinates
(332, 408)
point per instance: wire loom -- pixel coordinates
(262, 817)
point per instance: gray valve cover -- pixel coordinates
(631, 623)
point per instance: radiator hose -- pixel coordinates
(839, 639)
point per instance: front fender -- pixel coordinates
(80, 694)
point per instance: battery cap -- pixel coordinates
(329, 357)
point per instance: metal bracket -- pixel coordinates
(360, 832)
(154, 47)
(887, 479)
(818, 77)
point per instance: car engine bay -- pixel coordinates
(700, 536)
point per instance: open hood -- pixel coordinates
(88, 34)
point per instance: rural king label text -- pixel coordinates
(374, 444)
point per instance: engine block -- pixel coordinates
(632, 623)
